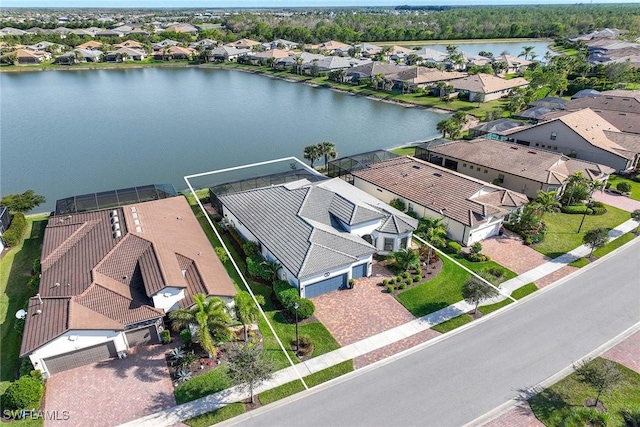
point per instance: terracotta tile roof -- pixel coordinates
(91, 44)
(50, 323)
(439, 189)
(243, 43)
(486, 83)
(128, 43)
(531, 163)
(273, 53)
(332, 45)
(111, 305)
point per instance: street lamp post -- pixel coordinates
(296, 306)
(584, 215)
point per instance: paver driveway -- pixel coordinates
(112, 392)
(353, 314)
(616, 200)
(509, 251)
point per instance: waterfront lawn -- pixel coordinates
(405, 151)
(563, 237)
(15, 272)
(214, 417)
(635, 186)
(322, 339)
(552, 405)
(452, 324)
(519, 293)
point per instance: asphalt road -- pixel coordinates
(461, 378)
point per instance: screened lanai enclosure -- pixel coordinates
(345, 166)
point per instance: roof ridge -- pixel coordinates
(69, 242)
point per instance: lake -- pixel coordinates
(512, 47)
(66, 133)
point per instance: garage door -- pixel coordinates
(325, 286)
(359, 271)
(142, 336)
(81, 357)
(483, 233)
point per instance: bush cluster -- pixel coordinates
(165, 335)
(16, 230)
(454, 247)
(625, 187)
(576, 209)
(185, 336)
(24, 393)
(288, 296)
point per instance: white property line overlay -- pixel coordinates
(206, 215)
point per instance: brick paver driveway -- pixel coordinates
(509, 251)
(353, 314)
(112, 392)
(616, 200)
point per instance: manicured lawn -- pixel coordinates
(224, 413)
(562, 236)
(521, 292)
(312, 380)
(635, 186)
(579, 263)
(554, 404)
(405, 151)
(478, 267)
(452, 324)
(614, 244)
(15, 272)
(203, 385)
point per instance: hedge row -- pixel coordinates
(24, 393)
(16, 230)
(288, 296)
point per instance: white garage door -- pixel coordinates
(483, 233)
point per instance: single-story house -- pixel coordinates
(173, 52)
(370, 69)
(204, 43)
(226, 53)
(298, 60)
(124, 54)
(280, 44)
(584, 135)
(181, 27)
(28, 57)
(108, 278)
(332, 47)
(515, 167)
(485, 87)
(368, 50)
(399, 53)
(322, 234)
(130, 44)
(109, 33)
(264, 57)
(331, 63)
(514, 64)
(621, 108)
(91, 44)
(431, 56)
(423, 77)
(243, 44)
(471, 209)
(46, 46)
(164, 43)
(79, 55)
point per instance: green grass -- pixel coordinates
(405, 151)
(312, 380)
(213, 417)
(519, 293)
(15, 271)
(562, 236)
(579, 263)
(203, 385)
(614, 244)
(453, 323)
(635, 186)
(552, 405)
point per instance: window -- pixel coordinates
(537, 145)
(464, 165)
(403, 243)
(410, 207)
(478, 168)
(500, 178)
(388, 244)
(555, 148)
(486, 171)
(554, 135)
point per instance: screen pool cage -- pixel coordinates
(345, 166)
(422, 150)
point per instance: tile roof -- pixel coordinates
(243, 43)
(606, 101)
(372, 68)
(312, 243)
(538, 165)
(486, 83)
(439, 189)
(420, 75)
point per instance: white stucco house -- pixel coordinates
(110, 276)
(322, 234)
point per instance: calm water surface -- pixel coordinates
(513, 48)
(65, 133)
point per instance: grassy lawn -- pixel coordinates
(579, 263)
(224, 413)
(452, 324)
(562, 236)
(203, 385)
(635, 186)
(312, 380)
(405, 151)
(519, 293)
(15, 271)
(609, 247)
(554, 404)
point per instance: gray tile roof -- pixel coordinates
(297, 225)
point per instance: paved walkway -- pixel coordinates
(379, 341)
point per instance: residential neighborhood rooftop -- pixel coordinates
(486, 83)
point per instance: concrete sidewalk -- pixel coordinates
(212, 402)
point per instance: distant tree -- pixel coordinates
(485, 54)
(499, 66)
(249, 368)
(527, 51)
(328, 150)
(596, 238)
(22, 202)
(600, 374)
(311, 153)
(474, 291)
(246, 310)
(635, 215)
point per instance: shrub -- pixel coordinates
(254, 265)
(495, 271)
(390, 289)
(288, 297)
(417, 279)
(24, 393)
(399, 279)
(166, 336)
(185, 336)
(454, 247)
(412, 214)
(636, 178)
(405, 275)
(34, 282)
(250, 248)
(419, 272)
(398, 204)
(596, 204)
(385, 282)
(576, 209)
(37, 268)
(598, 211)
(625, 187)
(25, 366)
(305, 344)
(409, 281)
(14, 234)
(306, 308)
(351, 283)
(403, 285)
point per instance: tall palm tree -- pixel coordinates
(434, 232)
(209, 316)
(546, 202)
(311, 153)
(328, 150)
(526, 51)
(299, 61)
(246, 310)
(574, 180)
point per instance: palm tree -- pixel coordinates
(311, 153)
(573, 181)
(299, 61)
(526, 51)
(328, 150)
(406, 258)
(434, 232)
(209, 316)
(546, 202)
(246, 311)
(442, 126)
(378, 79)
(272, 267)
